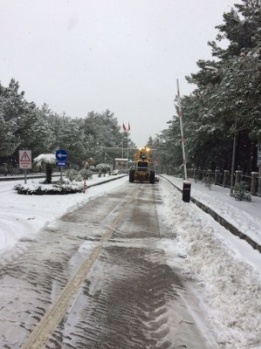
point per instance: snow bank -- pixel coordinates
(230, 286)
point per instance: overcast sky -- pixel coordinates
(123, 55)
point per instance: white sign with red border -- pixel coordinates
(25, 159)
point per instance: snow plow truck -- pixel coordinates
(141, 169)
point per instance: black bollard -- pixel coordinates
(186, 191)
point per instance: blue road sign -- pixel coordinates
(61, 163)
(61, 155)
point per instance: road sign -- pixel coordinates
(25, 159)
(61, 163)
(61, 155)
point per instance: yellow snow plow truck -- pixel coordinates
(141, 169)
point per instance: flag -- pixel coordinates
(124, 127)
(128, 126)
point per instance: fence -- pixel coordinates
(252, 183)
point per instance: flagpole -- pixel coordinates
(124, 129)
(127, 141)
(122, 145)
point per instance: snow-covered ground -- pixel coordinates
(24, 215)
(244, 215)
(226, 269)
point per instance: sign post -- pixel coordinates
(61, 157)
(259, 166)
(25, 161)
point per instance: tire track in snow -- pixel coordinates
(57, 311)
(128, 291)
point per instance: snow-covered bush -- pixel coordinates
(240, 192)
(73, 175)
(86, 173)
(57, 188)
(78, 176)
(103, 168)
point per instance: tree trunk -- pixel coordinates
(48, 172)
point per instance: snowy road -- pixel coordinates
(125, 266)
(99, 279)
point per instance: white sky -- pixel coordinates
(226, 271)
(122, 55)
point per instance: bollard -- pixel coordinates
(186, 191)
(217, 174)
(238, 175)
(254, 183)
(225, 179)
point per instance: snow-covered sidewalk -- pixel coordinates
(226, 270)
(244, 215)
